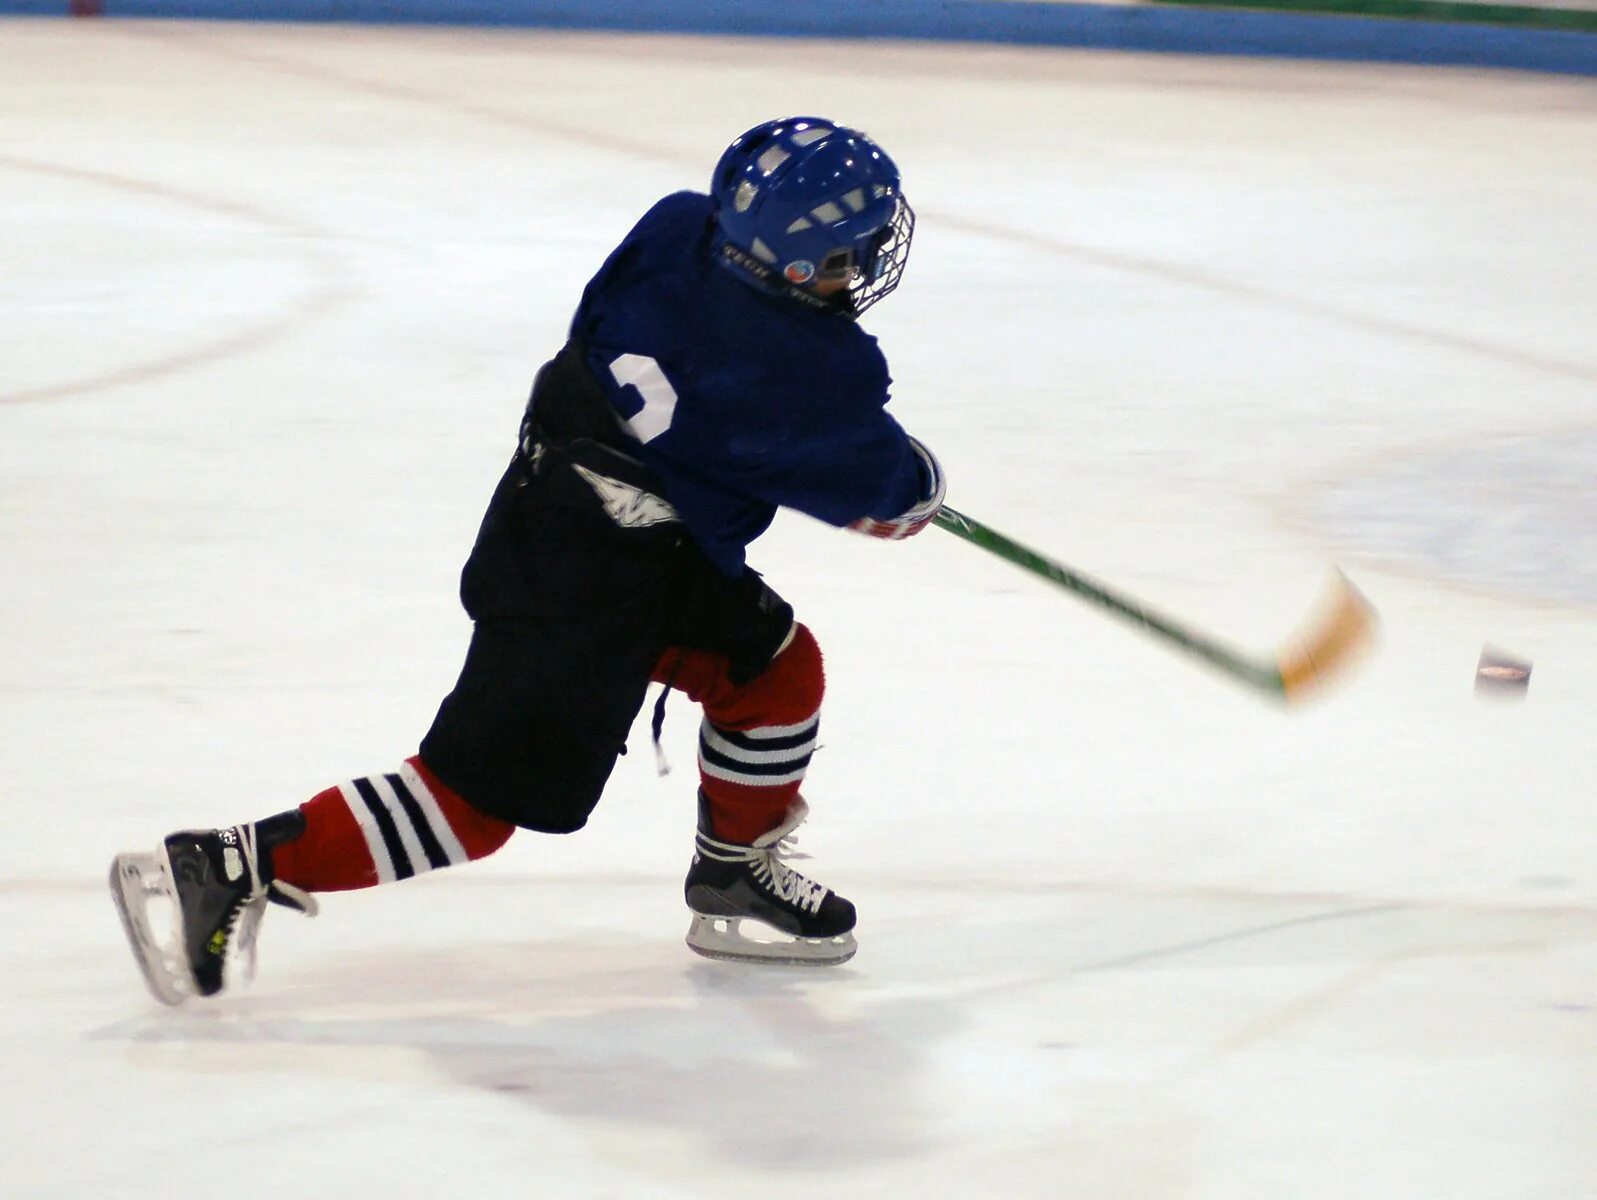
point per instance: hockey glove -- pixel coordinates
(933, 485)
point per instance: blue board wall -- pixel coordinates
(1094, 26)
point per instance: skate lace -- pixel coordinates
(770, 866)
(244, 923)
(767, 862)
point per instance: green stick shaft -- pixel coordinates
(1260, 676)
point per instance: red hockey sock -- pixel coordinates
(756, 740)
(385, 827)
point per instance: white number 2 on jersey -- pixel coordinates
(659, 397)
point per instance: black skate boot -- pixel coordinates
(218, 882)
(729, 882)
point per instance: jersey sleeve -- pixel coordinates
(869, 471)
(836, 456)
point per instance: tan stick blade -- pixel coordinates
(1331, 644)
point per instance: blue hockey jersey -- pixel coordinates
(742, 402)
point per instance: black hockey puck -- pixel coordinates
(1501, 675)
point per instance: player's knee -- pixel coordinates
(793, 686)
(478, 833)
(808, 665)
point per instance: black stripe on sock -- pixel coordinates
(386, 826)
(430, 845)
(743, 767)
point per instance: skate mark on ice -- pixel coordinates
(600, 137)
(982, 885)
(327, 291)
(1245, 933)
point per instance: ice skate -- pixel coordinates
(216, 883)
(729, 883)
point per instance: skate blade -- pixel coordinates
(722, 938)
(135, 880)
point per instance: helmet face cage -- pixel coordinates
(885, 264)
(804, 199)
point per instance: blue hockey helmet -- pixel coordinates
(803, 199)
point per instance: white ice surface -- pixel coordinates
(270, 299)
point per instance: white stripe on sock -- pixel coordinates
(716, 771)
(368, 827)
(775, 731)
(435, 815)
(402, 822)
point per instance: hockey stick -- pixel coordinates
(1327, 644)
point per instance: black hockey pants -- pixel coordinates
(573, 609)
